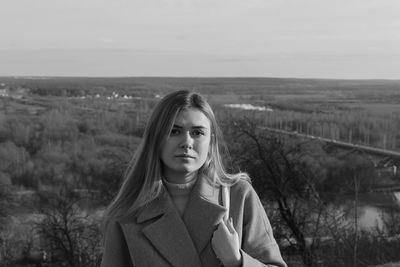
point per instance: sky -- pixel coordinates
(340, 39)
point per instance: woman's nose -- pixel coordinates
(187, 142)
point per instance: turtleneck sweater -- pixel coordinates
(180, 194)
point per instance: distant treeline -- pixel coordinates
(240, 86)
(65, 146)
(358, 127)
(336, 109)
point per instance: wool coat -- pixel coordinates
(158, 236)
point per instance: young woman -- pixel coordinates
(172, 208)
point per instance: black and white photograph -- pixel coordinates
(199, 133)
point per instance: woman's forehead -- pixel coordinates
(192, 117)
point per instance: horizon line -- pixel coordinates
(187, 77)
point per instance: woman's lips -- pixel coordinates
(184, 156)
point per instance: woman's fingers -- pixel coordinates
(225, 243)
(222, 231)
(229, 225)
(226, 227)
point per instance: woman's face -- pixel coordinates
(185, 149)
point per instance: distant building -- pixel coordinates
(13, 92)
(3, 92)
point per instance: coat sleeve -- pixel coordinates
(115, 252)
(259, 247)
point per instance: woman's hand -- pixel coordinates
(225, 242)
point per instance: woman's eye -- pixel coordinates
(197, 132)
(174, 132)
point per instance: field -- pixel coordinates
(66, 141)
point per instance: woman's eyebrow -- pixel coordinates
(199, 127)
(193, 127)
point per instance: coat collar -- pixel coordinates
(181, 240)
(203, 212)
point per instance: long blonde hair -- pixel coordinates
(142, 182)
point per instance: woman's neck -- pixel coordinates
(180, 178)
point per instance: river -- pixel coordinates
(372, 207)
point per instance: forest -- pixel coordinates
(65, 144)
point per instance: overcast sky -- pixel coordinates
(264, 38)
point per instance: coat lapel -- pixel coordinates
(203, 213)
(181, 241)
(168, 233)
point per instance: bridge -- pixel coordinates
(382, 158)
(391, 188)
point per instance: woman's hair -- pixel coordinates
(143, 180)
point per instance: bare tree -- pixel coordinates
(69, 235)
(285, 173)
